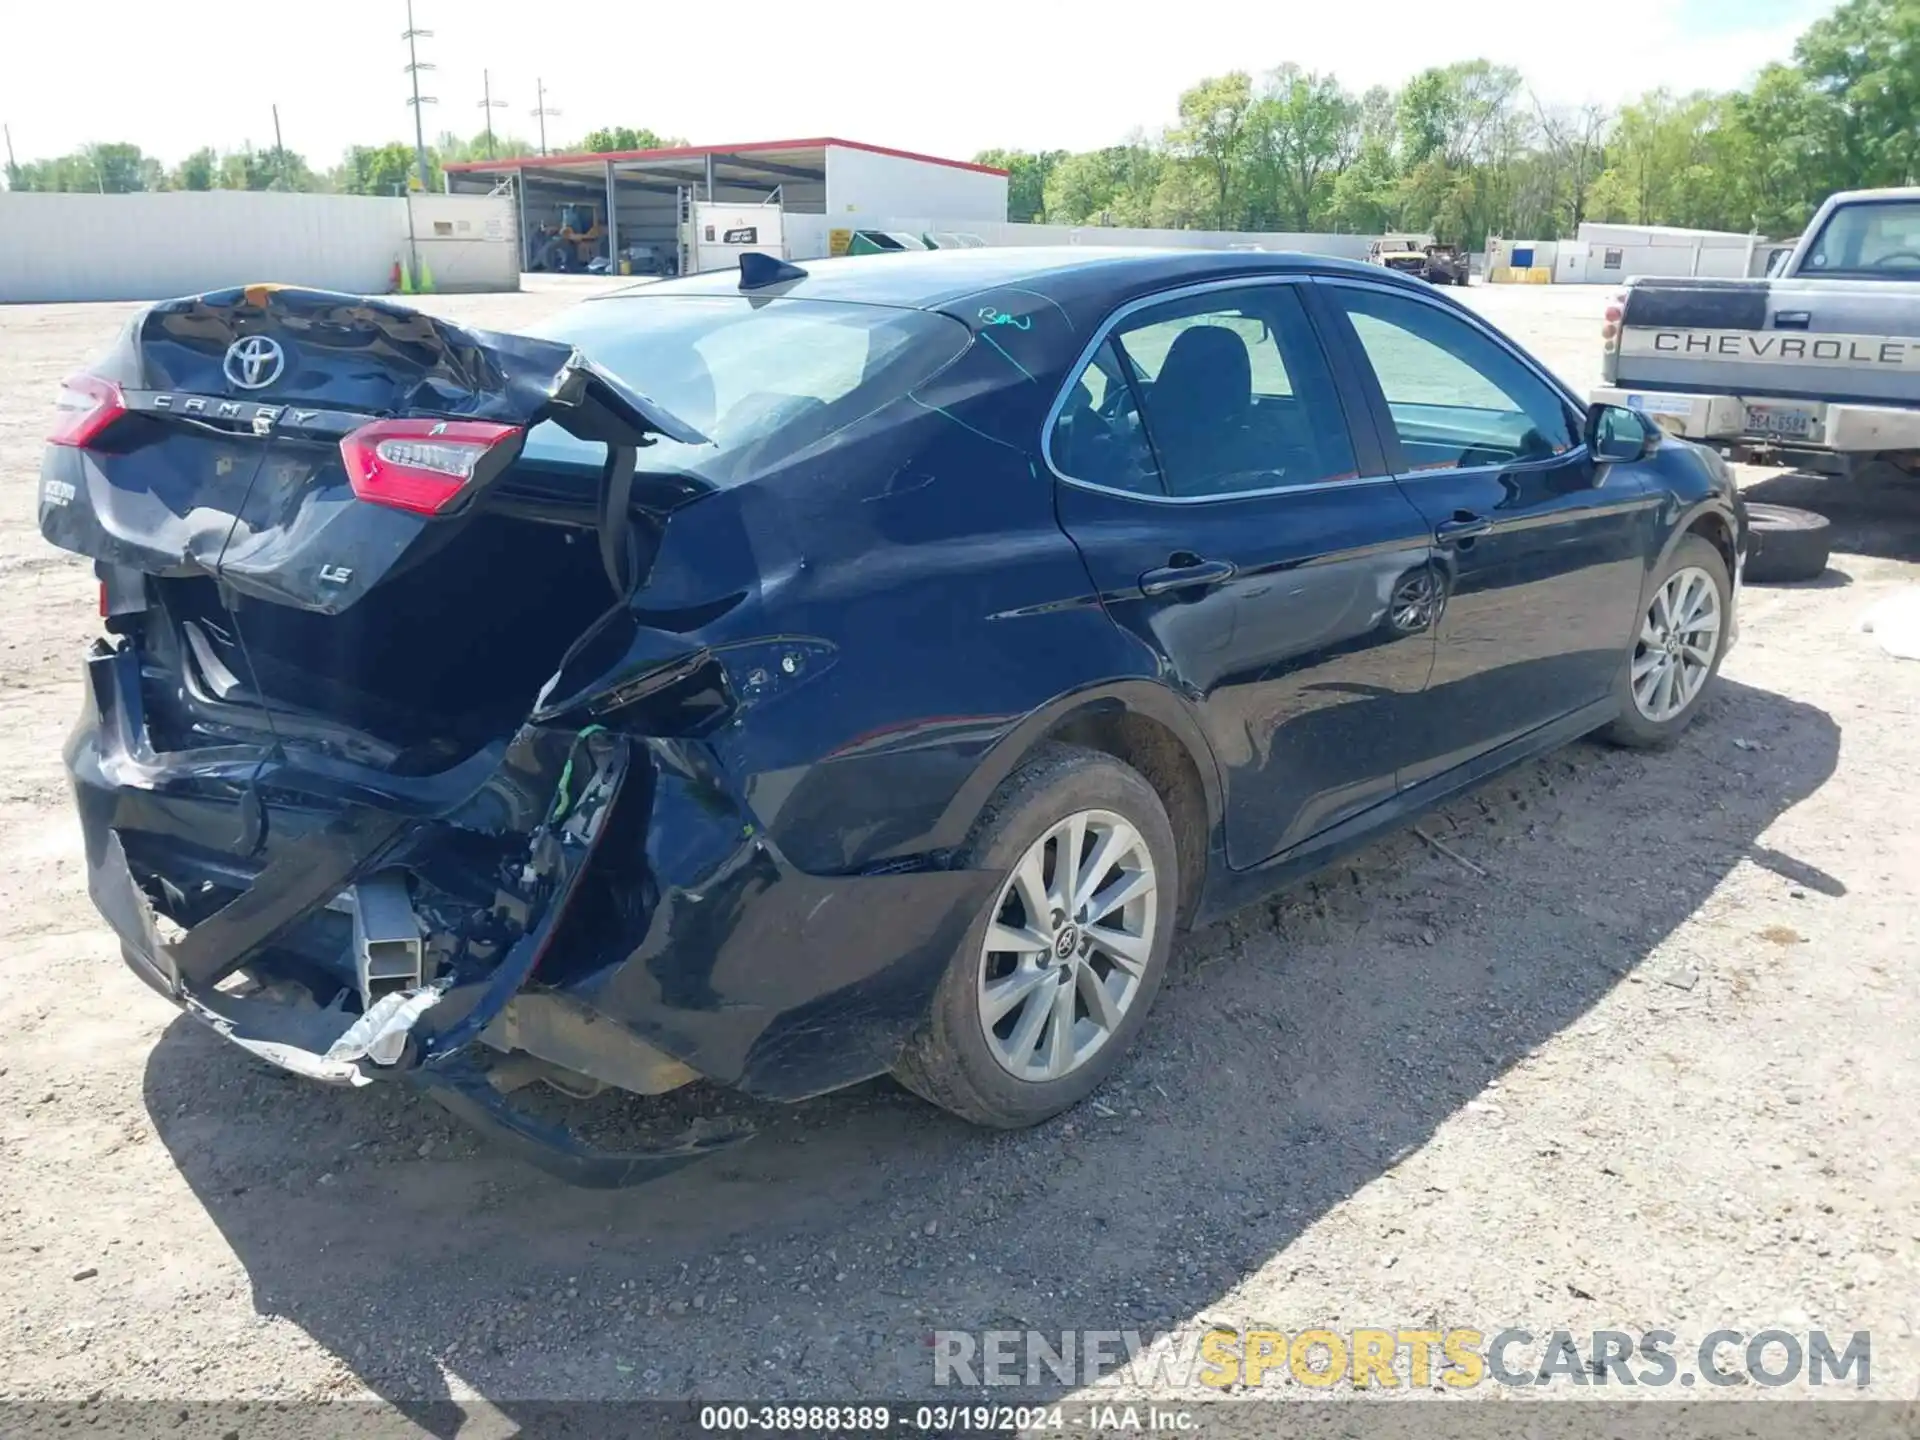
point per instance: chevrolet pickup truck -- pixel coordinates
(1817, 365)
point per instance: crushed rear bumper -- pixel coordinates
(649, 912)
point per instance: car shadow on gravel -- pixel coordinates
(1298, 1052)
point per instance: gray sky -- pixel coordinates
(945, 76)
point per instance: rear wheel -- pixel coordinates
(1785, 544)
(1057, 973)
(1676, 652)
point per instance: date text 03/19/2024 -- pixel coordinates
(854, 1419)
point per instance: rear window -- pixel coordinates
(760, 378)
(1878, 238)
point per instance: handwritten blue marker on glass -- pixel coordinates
(991, 316)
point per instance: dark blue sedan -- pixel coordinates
(788, 677)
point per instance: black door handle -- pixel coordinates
(1463, 528)
(1792, 319)
(1187, 572)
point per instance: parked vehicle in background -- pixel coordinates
(787, 677)
(1405, 253)
(1448, 265)
(1817, 364)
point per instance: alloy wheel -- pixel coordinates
(1068, 946)
(1679, 638)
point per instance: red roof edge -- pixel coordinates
(690, 152)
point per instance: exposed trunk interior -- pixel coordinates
(444, 656)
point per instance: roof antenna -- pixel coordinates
(758, 271)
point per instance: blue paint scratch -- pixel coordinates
(1009, 359)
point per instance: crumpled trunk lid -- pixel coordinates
(227, 462)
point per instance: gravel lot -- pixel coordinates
(1653, 1070)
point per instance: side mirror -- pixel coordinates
(1615, 433)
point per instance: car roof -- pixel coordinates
(924, 279)
(1854, 197)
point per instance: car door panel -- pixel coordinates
(1543, 549)
(1272, 611)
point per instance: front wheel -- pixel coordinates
(1057, 973)
(1676, 651)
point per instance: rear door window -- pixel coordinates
(1098, 437)
(1222, 392)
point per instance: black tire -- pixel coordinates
(948, 1062)
(1785, 544)
(1633, 729)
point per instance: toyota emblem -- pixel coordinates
(255, 362)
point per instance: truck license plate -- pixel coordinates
(1787, 420)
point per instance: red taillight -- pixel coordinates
(86, 407)
(420, 465)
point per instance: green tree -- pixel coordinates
(451, 147)
(624, 137)
(112, 169)
(124, 168)
(1365, 195)
(1864, 61)
(1081, 189)
(383, 170)
(1027, 173)
(1213, 132)
(198, 170)
(1573, 145)
(1783, 118)
(1302, 130)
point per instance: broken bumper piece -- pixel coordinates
(390, 1042)
(419, 1035)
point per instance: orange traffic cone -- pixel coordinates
(395, 281)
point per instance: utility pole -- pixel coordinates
(11, 166)
(541, 110)
(279, 150)
(414, 66)
(489, 105)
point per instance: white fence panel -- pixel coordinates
(151, 246)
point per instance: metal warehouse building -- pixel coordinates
(694, 207)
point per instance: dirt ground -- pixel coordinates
(1652, 1069)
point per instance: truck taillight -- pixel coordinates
(86, 407)
(419, 465)
(1610, 321)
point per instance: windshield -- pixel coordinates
(1876, 237)
(762, 378)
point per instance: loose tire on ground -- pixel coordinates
(1635, 728)
(1785, 544)
(951, 1062)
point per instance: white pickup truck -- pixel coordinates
(1817, 365)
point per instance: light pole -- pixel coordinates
(489, 105)
(414, 66)
(541, 111)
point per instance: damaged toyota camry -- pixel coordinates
(787, 677)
